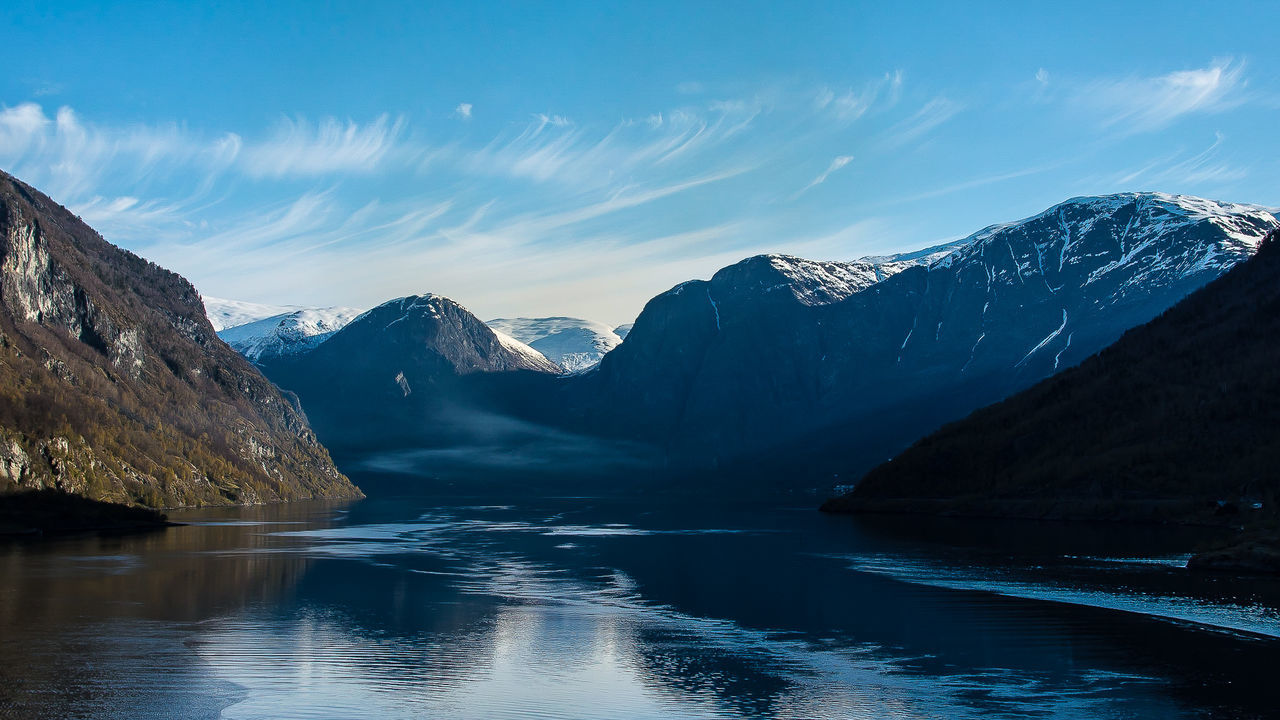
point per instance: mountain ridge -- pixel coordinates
(990, 314)
(290, 333)
(116, 386)
(1163, 425)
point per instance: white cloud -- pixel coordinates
(300, 147)
(463, 111)
(839, 162)
(972, 183)
(558, 121)
(690, 87)
(70, 159)
(1143, 104)
(1179, 172)
(931, 115)
(851, 105)
(19, 127)
(553, 148)
(549, 211)
(1042, 76)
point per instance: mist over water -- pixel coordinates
(409, 607)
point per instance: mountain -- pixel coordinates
(622, 330)
(116, 386)
(392, 375)
(288, 333)
(225, 313)
(789, 368)
(1176, 421)
(572, 343)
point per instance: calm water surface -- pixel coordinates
(598, 608)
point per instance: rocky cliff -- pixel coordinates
(113, 384)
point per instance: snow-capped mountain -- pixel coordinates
(223, 313)
(572, 343)
(818, 282)
(774, 348)
(622, 330)
(781, 366)
(398, 369)
(288, 333)
(1178, 414)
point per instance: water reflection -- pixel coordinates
(588, 608)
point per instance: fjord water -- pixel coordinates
(571, 607)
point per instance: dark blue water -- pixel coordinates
(597, 608)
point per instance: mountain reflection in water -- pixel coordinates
(594, 608)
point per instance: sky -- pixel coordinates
(538, 158)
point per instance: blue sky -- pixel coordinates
(578, 158)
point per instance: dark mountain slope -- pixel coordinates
(113, 384)
(777, 368)
(1178, 420)
(397, 375)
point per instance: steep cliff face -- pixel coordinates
(113, 384)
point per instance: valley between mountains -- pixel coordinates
(777, 376)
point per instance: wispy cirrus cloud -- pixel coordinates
(836, 164)
(972, 183)
(1139, 104)
(70, 158)
(849, 105)
(1181, 169)
(553, 148)
(548, 208)
(934, 113)
(300, 147)
(230, 209)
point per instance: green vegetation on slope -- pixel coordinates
(114, 386)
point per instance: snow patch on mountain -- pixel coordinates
(814, 282)
(888, 265)
(224, 313)
(287, 333)
(572, 343)
(521, 349)
(821, 282)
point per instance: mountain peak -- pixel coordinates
(438, 325)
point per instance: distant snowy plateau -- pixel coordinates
(261, 332)
(572, 343)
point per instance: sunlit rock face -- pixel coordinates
(119, 388)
